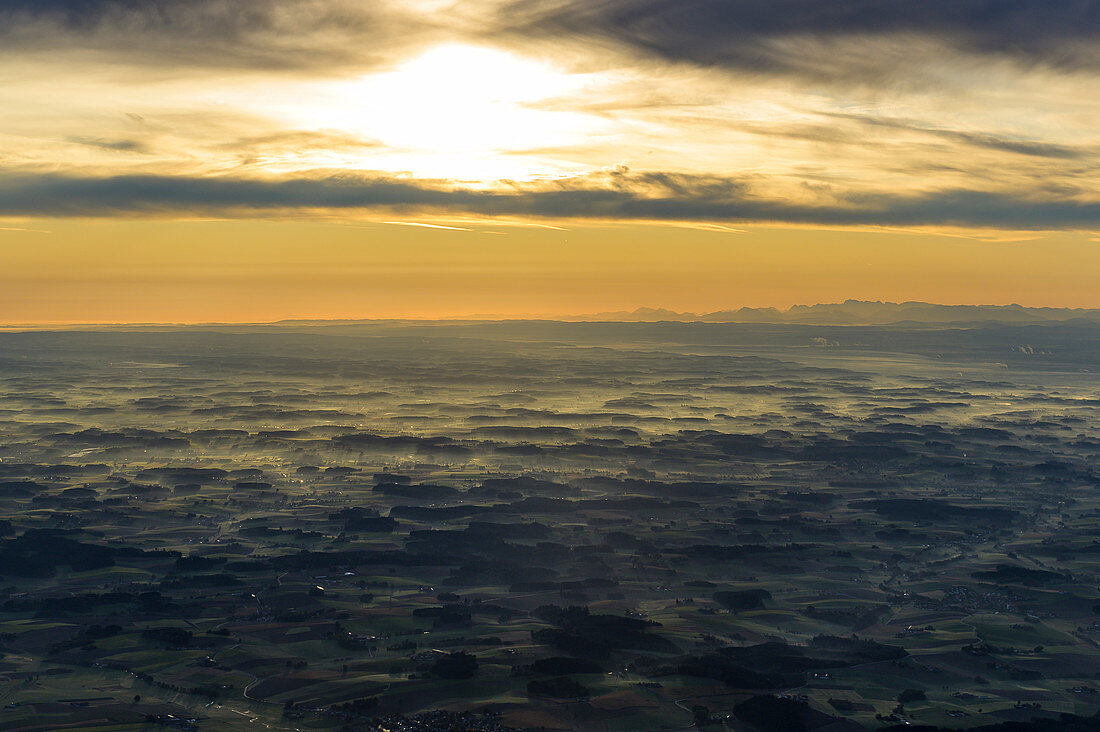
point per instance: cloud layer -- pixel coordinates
(274, 35)
(616, 196)
(773, 35)
(857, 112)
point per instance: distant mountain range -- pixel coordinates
(862, 312)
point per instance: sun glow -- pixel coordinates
(457, 111)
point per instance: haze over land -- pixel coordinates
(600, 365)
(550, 525)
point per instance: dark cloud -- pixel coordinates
(771, 35)
(806, 37)
(92, 13)
(272, 34)
(619, 195)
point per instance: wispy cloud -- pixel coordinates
(25, 230)
(124, 146)
(426, 226)
(712, 227)
(1004, 143)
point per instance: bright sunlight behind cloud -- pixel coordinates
(450, 112)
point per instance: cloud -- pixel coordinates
(426, 226)
(686, 85)
(784, 36)
(838, 39)
(269, 35)
(615, 195)
(291, 144)
(1035, 148)
(294, 140)
(125, 145)
(832, 134)
(25, 230)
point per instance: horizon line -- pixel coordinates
(602, 316)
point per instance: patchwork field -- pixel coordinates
(595, 526)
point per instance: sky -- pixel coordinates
(233, 160)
